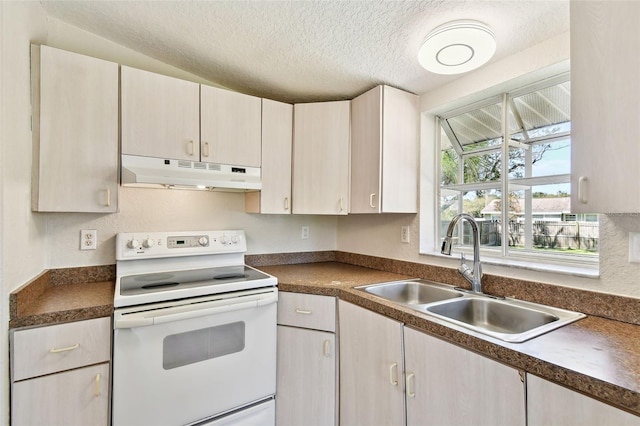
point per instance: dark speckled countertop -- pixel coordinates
(598, 355)
(63, 295)
(595, 356)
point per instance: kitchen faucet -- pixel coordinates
(475, 276)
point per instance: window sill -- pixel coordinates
(583, 269)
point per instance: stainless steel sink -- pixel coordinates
(412, 292)
(509, 320)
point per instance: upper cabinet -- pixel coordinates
(160, 116)
(277, 138)
(230, 127)
(384, 152)
(75, 132)
(321, 158)
(605, 107)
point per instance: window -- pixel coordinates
(507, 162)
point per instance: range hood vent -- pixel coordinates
(151, 172)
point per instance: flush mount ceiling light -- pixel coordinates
(457, 47)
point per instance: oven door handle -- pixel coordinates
(178, 313)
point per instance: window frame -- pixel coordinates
(577, 264)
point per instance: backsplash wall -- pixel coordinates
(143, 209)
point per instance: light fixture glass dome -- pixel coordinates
(457, 47)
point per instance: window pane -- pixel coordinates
(542, 112)
(449, 167)
(552, 228)
(484, 206)
(483, 168)
(552, 158)
(478, 128)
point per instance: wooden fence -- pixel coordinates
(546, 234)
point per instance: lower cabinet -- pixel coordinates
(442, 384)
(371, 365)
(551, 404)
(75, 397)
(306, 391)
(60, 374)
(449, 385)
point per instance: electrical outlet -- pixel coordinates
(305, 233)
(404, 234)
(88, 239)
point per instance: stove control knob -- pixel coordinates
(133, 244)
(235, 239)
(203, 241)
(224, 240)
(148, 243)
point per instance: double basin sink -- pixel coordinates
(509, 320)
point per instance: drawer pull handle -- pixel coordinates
(68, 348)
(96, 389)
(410, 393)
(206, 150)
(392, 376)
(286, 203)
(108, 203)
(190, 148)
(304, 312)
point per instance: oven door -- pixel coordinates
(177, 363)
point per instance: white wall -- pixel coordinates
(31, 242)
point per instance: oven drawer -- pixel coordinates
(307, 311)
(44, 350)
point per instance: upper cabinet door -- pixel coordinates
(321, 158)
(75, 132)
(160, 116)
(230, 127)
(384, 152)
(605, 107)
(277, 139)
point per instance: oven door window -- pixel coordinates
(200, 345)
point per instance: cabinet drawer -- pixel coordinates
(44, 350)
(77, 397)
(307, 310)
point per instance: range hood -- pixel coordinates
(151, 172)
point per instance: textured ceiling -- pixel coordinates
(302, 51)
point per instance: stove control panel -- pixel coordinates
(144, 245)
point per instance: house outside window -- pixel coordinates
(507, 162)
